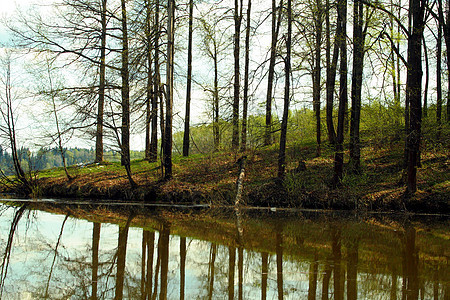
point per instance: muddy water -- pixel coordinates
(65, 251)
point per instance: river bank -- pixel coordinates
(211, 179)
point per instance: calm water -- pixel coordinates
(106, 252)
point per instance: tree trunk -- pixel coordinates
(427, 77)
(317, 71)
(246, 75)
(339, 146)
(101, 89)
(148, 109)
(169, 92)
(331, 72)
(276, 22)
(358, 59)
(216, 132)
(439, 81)
(287, 68)
(156, 89)
(125, 143)
(237, 34)
(188, 84)
(414, 92)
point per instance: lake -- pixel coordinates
(63, 250)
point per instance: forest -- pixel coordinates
(186, 77)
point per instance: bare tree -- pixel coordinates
(8, 128)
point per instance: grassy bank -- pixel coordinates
(210, 178)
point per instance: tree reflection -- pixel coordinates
(7, 253)
(54, 256)
(279, 252)
(211, 269)
(182, 266)
(95, 248)
(121, 256)
(410, 265)
(264, 274)
(352, 269)
(313, 269)
(336, 250)
(148, 245)
(231, 269)
(163, 253)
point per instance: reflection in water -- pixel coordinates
(54, 257)
(95, 247)
(239, 256)
(121, 256)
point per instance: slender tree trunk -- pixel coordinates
(276, 22)
(246, 79)
(125, 143)
(10, 120)
(101, 89)
(148, 109)
(188, 84)
(317, 71)
(216, 131)
(169, 92)
(445, 22)
(156, 88)
(427, 77)
(282, 151)
(439, 81)
(339, 146)
(331, 72)
(358, 59)
(414, 92)
(237, 34)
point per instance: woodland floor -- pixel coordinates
(211, 179)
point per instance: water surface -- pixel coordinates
(64, 251)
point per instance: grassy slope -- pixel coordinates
(211, 179)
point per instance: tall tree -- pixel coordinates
(439, 80)
(246, 79)
(7, 110)
(101, 87)
(156, 88)
(150, 78)
(331, 71)
(188, 83)
(236, 84)
(318, 20)
(414, 91)
(167, 151)
(341, 39)
(276, 22)
(125, 89)
(287, 70)
(358, 59)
